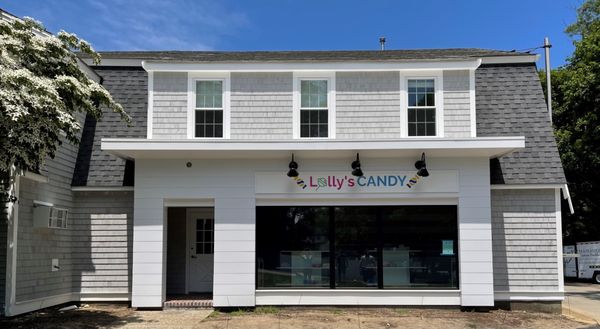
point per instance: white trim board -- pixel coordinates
(472, 103)
(525, 186)
(357, 297)
(329, 76)
(149, 124)
(559, 244)
(10, 292)
(223, 149)
(355, 200)
(39, 303)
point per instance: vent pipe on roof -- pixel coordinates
(547, 47)
(382, 42)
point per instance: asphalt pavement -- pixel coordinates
(582, 299)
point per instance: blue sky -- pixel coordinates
(308, 24)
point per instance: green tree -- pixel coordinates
(42, 90)
(576, 106)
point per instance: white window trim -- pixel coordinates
(150, 123)
(438, 78)
(331, 116)
(191, 102)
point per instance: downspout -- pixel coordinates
(11, 243)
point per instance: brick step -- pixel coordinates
(191, 303)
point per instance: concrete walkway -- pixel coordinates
(582, 299)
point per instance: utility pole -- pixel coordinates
(547, 47)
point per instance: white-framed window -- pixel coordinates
(422, 104)
(208, 106)
(314, 105)
(58, 218)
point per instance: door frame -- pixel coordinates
(209, 211)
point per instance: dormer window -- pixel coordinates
(421, 107)
(208, 113)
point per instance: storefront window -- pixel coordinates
(292, 247)
(356, 247)
(419, 247)
(386, 247)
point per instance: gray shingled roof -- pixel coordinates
(337, 55)
(128, 86)
(510, 102)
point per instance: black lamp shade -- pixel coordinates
(422, 166)
(356, 171)
(293, 172)
(423, 172)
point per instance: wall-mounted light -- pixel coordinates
(356, 171)
(293, 172)
(422, 166)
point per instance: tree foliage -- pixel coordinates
(576, 110)
(42, 90)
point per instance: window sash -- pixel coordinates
(319, 89)
(420, 124)
(212, 128)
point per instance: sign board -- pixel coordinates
(438, 181)
(447, 247)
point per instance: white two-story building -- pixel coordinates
(396, 177)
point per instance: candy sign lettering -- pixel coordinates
(335, 182)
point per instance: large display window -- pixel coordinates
(357, 247)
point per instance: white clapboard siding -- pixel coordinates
(457, 114)
(102, 226)
(524, 240)
(367, 105)
(261, 105)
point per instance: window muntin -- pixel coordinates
(208, 113)
(314, 108)
(421, 107)
(58, 218)
(205, 236)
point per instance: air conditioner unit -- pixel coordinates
(48, 216)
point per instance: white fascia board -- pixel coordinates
(158, 66)
(510, 59)
(567, 196)
(442, 147)
(525, 186)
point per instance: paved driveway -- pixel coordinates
(582, 298)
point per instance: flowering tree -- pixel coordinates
(42, 88)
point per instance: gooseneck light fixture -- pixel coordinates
(422, 166)
(356, 171)
(293, 172)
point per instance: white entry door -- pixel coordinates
(200, 242)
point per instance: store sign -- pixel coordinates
(441, 181)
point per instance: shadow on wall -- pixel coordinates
(102, 244)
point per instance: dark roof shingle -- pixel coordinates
(329, 55)
(94, 167)
(510, 102)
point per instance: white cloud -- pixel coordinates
(160, 24)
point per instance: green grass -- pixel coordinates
(238, 312)
(214, 314)
(472, 325)
(401, 311)
(266, 310)
(337, 311)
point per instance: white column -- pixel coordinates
(148, 274)
(234, 262)
(475, 234)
